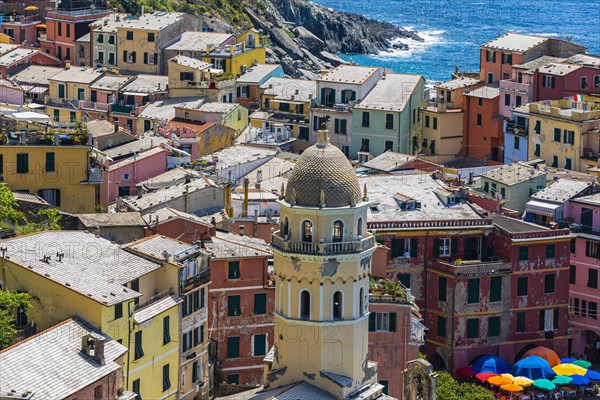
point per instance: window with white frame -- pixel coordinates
(125, 176)
(382, 322)
(445, 247)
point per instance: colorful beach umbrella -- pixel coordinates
(484, 376)
(546, 353)
(533, 367)
(499, 380)
(466, 371)
(31, 8)
(569, 370)
(511, 387)
(490, 363)
(582, 363)
(522, 381)
(544, 384)
(508, 376)
(562, 380)
(592, 375)
(567, 360)
(579, 380)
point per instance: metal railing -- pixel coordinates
(322, 248)
(153, 299)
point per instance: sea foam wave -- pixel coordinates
(430, 38)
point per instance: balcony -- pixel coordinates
(322, 249)
(510, 86)
(515, 129)
(153, 299)
(62, 102)
(122, 108)
(21, 19)
(462, 268)
(388, 291)
(95, 176)
(201, 278)
(94, 106)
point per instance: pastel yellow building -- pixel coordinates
(67, 177)
(236, 59)
(127, 297)
(140, 40)
(66, 90)
(191, 77)
(286, 101)
(231, 115)
(565, 134)
(322, 261)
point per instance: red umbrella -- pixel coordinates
(484, 376)
(466, 371)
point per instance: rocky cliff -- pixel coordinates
(305, 36)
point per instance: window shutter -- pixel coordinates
(133, 56)
(196, 300)
(494, 57)
(372, 322)
(343, 123)
(454, 247)
(393, 322)
(343, 96)
(57, 197)
(194, 371)
(414, 242)
(323, 94)
(145, 58)
(552, 82)
(556, 317)
(542, 319)
(155, 58)
(397, 247)
(238, 91)
(436, 247)
(196, 336)
(166, 333)
(124, 55)
(557, 134)
(336, 126)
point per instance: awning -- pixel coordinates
(541, 208)
(34, 89)
(31, 116)
(135, 94)
(35, 106)
(41, 26)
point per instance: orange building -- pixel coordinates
(483, 138)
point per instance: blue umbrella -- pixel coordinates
(592, 375)
(579, 380)
(490, 363)
(567, 360)
(533, 367)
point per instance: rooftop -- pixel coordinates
(197, 41)
(230, 245)
(5, 47)
(513, 174)
(147, 84)
(171, 177)
(536, 63)
(257, 73)
(584, 59)
(561, 190)
(85, 38)
(51, 365)
(144, 143)
(159, 247)
(164, 110)
(156, 308)
(389, 161)
(391, 93)
(515, 42)
(100, 127)
(348, 74)
(138, 157)
(295, 391)
(162, 196)
(216, 107)
(558, 69)
(591, 199)
(191, 62)
(109, 23)
(111, 82)
(36, 74)
(100, 220)
(166, 213)
(77, 75)
(485, 92)
(382, 191)
(155, 21)
(29, 198)
(271, 174)
(514, 225)
(458, 83)
(17, 56)
(287, 88)
(99, 274)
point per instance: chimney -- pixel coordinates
(207, 48)
(93, 348)
(140, 190)
(231, 50)
(227, 200)
(259, 179)
(67, 64)
(245, 210)
(187, 198)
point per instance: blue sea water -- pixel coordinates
(454, 30)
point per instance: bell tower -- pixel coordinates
(322, 260)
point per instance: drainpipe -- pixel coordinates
(129, 329)
(245, 210)
(452, 338)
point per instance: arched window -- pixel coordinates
(337, 305)
(285, 228)
(307, 231)
(338, 231)
(359, 230)
(361, 302)
(305, 305)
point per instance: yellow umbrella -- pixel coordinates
(511, 387)
(522, 381)
(499, 380)
(509, 376)
(569, 369)
(31, 8)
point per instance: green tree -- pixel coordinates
(9, 216)
(10, 302)
(11, 219)
(447, 388)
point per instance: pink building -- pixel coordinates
(584, 293)
(22, 28)
(557, 81)
(123, 176)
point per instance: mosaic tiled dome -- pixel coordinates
(323, 174)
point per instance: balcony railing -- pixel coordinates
(511, 127)
(322, 248)
(476, 267)
(153, 299)
(94, 106)
(123, 109)
(201, 278)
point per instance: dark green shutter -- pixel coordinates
(556, 317)
(196, 336)
(145, 58)
(557, 134)
(397, 246)
(233, 347)
(468, 248)
(50, 162)
(542, 320)
(493, 326)
(473, 290)
(57, 197)
(442, 288)
(196, 300)
(472, 328)
(166, 333)
(393, 322)
(336, 126)
(414, 242)
(343, 96)
(194, 371)
(323, 95)
(260, 303)
(343, 125)
(202, 334)
(22, 163)
(260, 345)
(436, 247)
(233, 306)
(454, 247)
(238, 91)
(372, 322)
(496, 288)
(550, 250)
